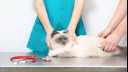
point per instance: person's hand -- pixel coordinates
(111, 42)
(72, 35)
(48, 38)
(105, 33)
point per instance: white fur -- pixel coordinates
(87, 47)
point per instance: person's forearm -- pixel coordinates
(119, 14)
(42, 14)
(121, 30)
(78, 9)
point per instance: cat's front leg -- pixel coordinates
(51, 53)
(56, 52)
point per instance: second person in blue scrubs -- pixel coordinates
(55, 15)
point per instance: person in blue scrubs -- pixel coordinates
(55, 15)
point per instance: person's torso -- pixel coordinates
(59, 11)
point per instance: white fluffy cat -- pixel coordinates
(87, 46)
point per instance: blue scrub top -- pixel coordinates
(59, 13)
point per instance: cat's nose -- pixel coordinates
(60, 39)
(63, 43)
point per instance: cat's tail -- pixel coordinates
(123, 50)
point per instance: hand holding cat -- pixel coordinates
(111, 41)
(105, 33)
(48, 38)
(73, 36)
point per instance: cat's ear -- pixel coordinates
(54, 33)
(66, 31)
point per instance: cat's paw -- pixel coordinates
(51, 54)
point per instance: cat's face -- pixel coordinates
(60, 37)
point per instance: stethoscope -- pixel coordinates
(28, 59)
